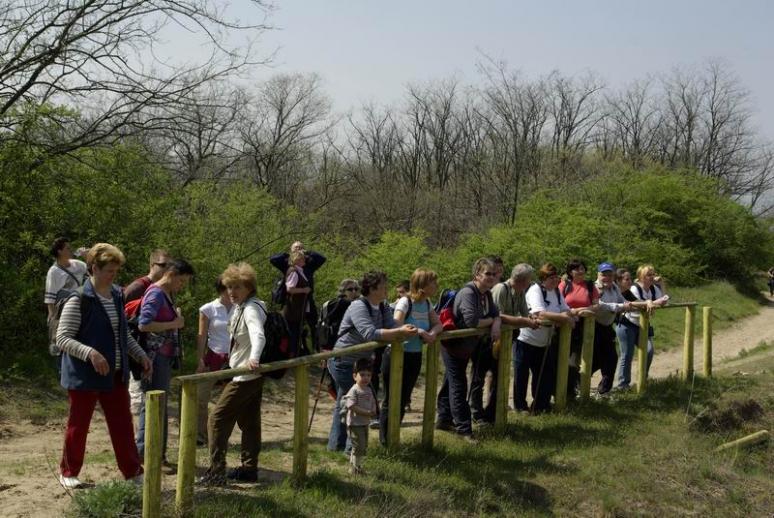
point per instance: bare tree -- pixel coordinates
(635, 120)
(105, 59)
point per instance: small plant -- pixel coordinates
(110, 500)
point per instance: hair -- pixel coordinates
(219, 286)
(482, 264)
(643, 269)
(522, 271)
(295, 256)
(619, 273)
(405, 284)
(156, 255)
(420, 280)
(57, 245)
(363, 364)
(574, 264)
(179, 267)
(546, 271)
(347, 283)
(240, 273)
(371, 280)
(103, 254)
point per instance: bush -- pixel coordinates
(110, 500)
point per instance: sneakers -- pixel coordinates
(211, 479)
(242, 474)
(70, 482)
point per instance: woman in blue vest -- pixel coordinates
(95, 343)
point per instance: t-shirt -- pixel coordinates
(578, 294)
(218, 337)
(509, 301)
(420, 317)
(363, 398)
(58, 279)
(638, 293)
(553, 302)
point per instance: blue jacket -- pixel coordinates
(97, 332)
(313, 262)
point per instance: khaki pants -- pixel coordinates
(239, 403)
(359, 437)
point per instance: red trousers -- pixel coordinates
(115, 405)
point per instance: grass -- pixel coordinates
(728, 305)
(636, 456)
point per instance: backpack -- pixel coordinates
(65, 293)
(279, 291)
(568, 287)
(445, 310)
(331, 314)
(545, 294)
(639, 291)
(277, 347)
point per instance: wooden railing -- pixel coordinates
(301, 366)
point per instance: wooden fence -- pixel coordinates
(300, 366)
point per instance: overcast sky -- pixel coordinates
(368, 51)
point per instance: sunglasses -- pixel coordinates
(163, 265)
(352, 289)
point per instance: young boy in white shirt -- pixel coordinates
(361, 407)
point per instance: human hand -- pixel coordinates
(408, 330)
(253, 364)
(179, 321)
(201, 367)
(147, 368)
(99, 363)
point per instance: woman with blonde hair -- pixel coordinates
(648, 289)
(96, 345)
(415, 309)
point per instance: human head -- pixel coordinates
(485, 273)
(424, 283)
(646, 273)
(297, 258)
(548, 276)
(297, 246)
(362, 371)
(521, 276)
(177, 274)
(606, 273)
(104, 260)
(402, 288)
(349, 288)
(576, 269)
(159, 260)
(499, 266)
(623, 278)
(219, 286)
(373, 281)
(240, 281)
(61, 247)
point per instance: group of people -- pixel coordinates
(104, 337)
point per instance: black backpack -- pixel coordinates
(279, 291)
(331, 314)
(639, 291)
(277, 348)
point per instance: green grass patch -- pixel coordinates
(630, 456)
(728, 305)
(109, 500)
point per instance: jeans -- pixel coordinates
(412, 364)
(453, 398)
(541, 362)
(628, 335)
(483, 362)
(162, 373)
(342, 375)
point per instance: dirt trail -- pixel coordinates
(29, 453)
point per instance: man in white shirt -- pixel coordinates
(65, 275)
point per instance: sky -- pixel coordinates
(369, 51)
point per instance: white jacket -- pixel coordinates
(246, 328)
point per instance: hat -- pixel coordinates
(604, 267)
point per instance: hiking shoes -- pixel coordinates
(446, 426)
(211, 479)
(70, 482)
(242, 474)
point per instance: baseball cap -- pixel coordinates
(604, 267)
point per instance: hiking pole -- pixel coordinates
(539, 379)
(317, 398)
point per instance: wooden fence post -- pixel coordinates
(563, 357)
(642, 344)
(503, 380)
(186, 463)
(708, 341)
(300, 420)
(396, 388)
(431, 393)
(690, 314)
(587, 356)
(151, 487)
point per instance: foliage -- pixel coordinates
(113, 499)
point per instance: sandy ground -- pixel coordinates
(29, 452)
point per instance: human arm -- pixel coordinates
(253, 318)
(69, 325)
(280, 261)
(201, 340)
(152, 303)
(314, 260)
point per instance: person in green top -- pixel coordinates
(510, 300)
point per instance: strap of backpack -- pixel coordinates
(68, 272)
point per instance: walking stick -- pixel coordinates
(540, 377)
(317, 398)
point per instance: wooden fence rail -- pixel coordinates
(301, 366)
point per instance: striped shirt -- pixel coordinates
(362, 398)
(70, 323)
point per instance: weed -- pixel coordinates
(110, 500)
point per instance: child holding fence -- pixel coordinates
(360, 405)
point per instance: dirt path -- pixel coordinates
(29, 453)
